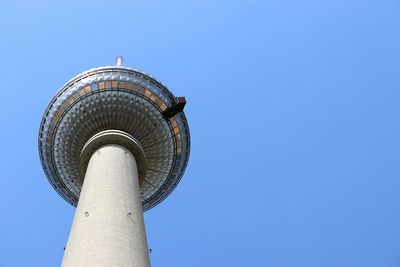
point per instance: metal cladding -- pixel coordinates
(115, 98)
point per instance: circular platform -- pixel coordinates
(122, 99)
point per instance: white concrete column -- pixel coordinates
(108, 228)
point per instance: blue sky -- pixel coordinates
(293, 108)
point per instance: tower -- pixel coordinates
(113, 142)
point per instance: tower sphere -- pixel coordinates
(115, 104)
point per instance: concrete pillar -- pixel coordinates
(108, 228)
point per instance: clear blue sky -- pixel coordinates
(293, 108)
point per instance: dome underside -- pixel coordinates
(114, 99)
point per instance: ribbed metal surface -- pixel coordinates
(114, 98)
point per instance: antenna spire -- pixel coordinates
(120, 61)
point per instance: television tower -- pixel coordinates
(113, 142)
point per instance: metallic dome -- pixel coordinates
(122, 99)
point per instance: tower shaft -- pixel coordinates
(108, 228)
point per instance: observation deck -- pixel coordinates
(117, 99)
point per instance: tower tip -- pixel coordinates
(120, 61)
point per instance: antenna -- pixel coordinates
(120, 61)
